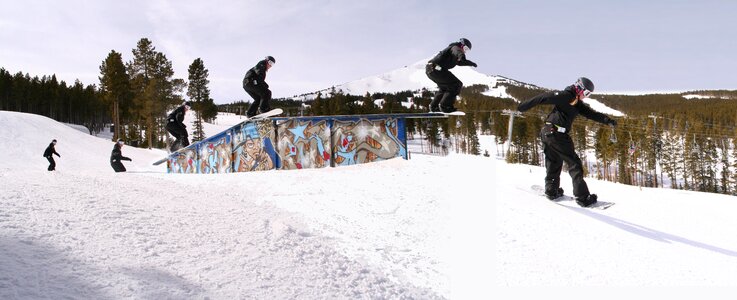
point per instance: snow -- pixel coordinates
(457, 227)
(602, 108)
(694, 96)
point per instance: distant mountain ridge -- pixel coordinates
(412, 78)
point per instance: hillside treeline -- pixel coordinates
(134, 97)
(665, 140)
(47, 96)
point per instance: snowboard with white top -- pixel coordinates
(564, 200)
(455, 113)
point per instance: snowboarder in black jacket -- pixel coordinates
(255, 85)
(558, 145)
(449, 86)
(175, 126)
(48, 154)
(117, 156)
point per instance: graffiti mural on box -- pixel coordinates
(185, 162)
(365, 141)
(304, 144)
(215, 156)
(254, 149)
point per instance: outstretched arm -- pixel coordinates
(586, 111)
(545, 98)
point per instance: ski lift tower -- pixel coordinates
(511, 114)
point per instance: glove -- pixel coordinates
(473, 64)
(611, 122)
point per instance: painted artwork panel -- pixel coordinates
(304, 144)
(183, 162)
(216, 155)
(253, 147)
(364, 141)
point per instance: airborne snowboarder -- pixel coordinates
(255, 85)
(449, 86)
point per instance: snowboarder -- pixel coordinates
(449, 86)
(48, 154)
(175, 126)
(117, 156)
(558, 145)
(255, 85)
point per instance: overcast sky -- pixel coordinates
(623, 45)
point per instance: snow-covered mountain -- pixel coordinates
(413, 78)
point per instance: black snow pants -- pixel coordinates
(558, 147)
(180, 135)
(449, 86)
(52, 163)
(118, 166)
(261, 96)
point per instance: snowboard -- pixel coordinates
(161, 161)
(602, 205)
(455, 113)
(266, 115)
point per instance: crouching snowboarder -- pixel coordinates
(175, 126)
(51, 149)
(117, 156)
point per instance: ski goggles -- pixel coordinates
(466, 49)
(270, 63)
(582, 90)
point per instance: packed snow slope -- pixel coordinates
(456, 227)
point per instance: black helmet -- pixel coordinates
(120, 141)
(585, 84)
(466, 42)
(271, 59)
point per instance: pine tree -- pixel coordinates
(155, 91)
(115, 88)
(199, 93)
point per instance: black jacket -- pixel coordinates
(117, 155)
(563, 113)
(177, 116)
(451, 56)
(51, 150)
(256, 76)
